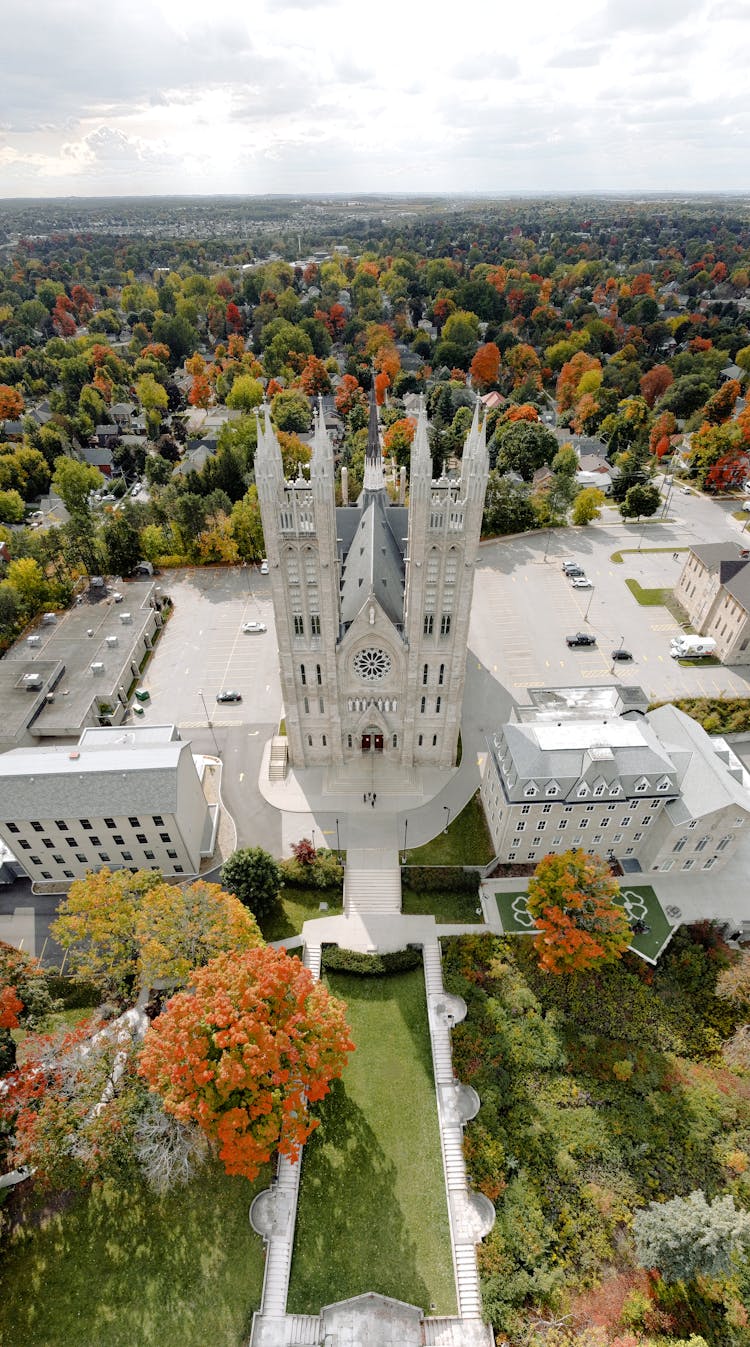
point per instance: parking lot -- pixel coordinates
(524, 607)
(204, 650)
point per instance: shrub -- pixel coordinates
(73, 993)
(424, 878)
(322, 870)
(370, 965)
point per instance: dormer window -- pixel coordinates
(615, 789)
(600, 788)
(641, 785)
(552, 788)
(664, 784)
(582, 791)
(530, 790)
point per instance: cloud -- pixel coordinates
(485, 66)
(578, 57)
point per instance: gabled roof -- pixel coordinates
(374, 565)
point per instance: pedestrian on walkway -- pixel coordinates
(372, 801)
(374, 798)
(364, 798)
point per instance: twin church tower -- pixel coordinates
(372, 601)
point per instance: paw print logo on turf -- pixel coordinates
(634, 905)
(520, 910)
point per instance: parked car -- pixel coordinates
(135, 489)
(229, 696)
(685, 491)
(254, 628)
(264, 567)
(572, 568)
(580, 638)
(581, 582)
(116, 596)
(621, 654)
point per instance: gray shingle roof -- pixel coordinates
(374, 565)
(48, 783)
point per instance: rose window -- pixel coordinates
(372, 664)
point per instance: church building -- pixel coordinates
(372, 601)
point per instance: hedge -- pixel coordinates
(370, 965)
(440, 878)
(74, 993)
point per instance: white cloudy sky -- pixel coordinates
(331, 95)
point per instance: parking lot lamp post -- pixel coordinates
(406, 825)
(447, 809)
(338, 841)
(588, 605)
(208, 720)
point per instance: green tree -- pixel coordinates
(26, 577)
(245, 393)
(587, 505)
(565, 462)
(524, 446)
(247, 527)
(641, 501)
(689, 1237)
(73, 482)
(121, 543)
(255, 877)
(507, 506)
(11, 507)
(151, 395)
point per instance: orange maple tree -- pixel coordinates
(655, 382)
(382, 384)
(11, 403)
(571, 896)
(349, 395)
(485, 365)
(243, 1052)
(315, 377)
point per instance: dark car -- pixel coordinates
(580, 638)
(624, 655)
(229, 696)
(572, 568)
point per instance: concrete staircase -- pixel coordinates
(451, 1140)
(372, 882)
(303, 1330)
(277, 762)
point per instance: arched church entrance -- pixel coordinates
(372, 740)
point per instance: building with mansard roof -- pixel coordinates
(372, 600)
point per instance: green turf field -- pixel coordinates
(639, 901)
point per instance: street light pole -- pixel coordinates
(447, 809)
(208, 721)
(406, 825)
(588, 605)
(338, 841)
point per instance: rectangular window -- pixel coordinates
(319, 675)
(134, 823)
(172, 855)
(37, 827)
(86, 823)
(546, 808)
(103, 856)
(58, 860)
(302, 674)
(584, 823)
(679, 844)
(321, 705)
(315, 625)
(563, 823)
(306, 704)
(542, 824)
(118, 840)
(81, 859)
(94, 841)
(441, 675)
(48, 843)
(46, 874)
(521, 826)
(445, 624)
(62, 826)
(422, 705)
(141, 837)
(12, 827)
(428, 624)
(126, 856)
(26, 845)
(419, 741)
(108, 823)
(424, 675)
(525, 808)
(434, 741)
(178, 869)
(165, 837)
(437, 705)
(71, 841)
(299, 626)
(149, 855)
(158, 821)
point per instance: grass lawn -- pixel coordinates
(298, 906)
(628, 551)
(372, 1212)
(467, 841)
(659, 598)
(123, 1267)
(639, 900)
(444, 906)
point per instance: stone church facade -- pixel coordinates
(372, 601)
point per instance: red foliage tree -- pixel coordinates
(11, 1006)
(655, 382)
(382, 383)
(349, 394)
(728, 472)
(315, 377)
(200, 391)
(521, 411)
(720, 405)
(485, 365)
(664, 426)
(244, 1052)
(235, 321)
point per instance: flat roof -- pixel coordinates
(589, 734)
(18, 701)
(123, 736)
(77, 640)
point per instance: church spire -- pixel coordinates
(374, 480)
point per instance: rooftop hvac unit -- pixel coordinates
(32, 680)
(126, 619)
(33, 640)
(97, 667)
(111, 641)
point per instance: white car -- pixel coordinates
(264, 567)
(685, 491)
(581, 582)
(254, 628)
(746, 504)
(135, 489)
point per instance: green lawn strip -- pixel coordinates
(467, 841)
(635, 551)
(124, 1267)
(659, 598)
(443, 906)
(648, 944)
(372, 1211)
(298, 906)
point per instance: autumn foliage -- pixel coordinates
(571, 895)
(244, 1051)
(11, 403)
(485, 365)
